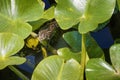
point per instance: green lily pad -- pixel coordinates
(101, 26)
(67, 54)
(97, 69)
(89, 13)
(37, 24)
(10, 44)
(101, 70)
(73, 39)
(14, 14)
(21, 9)
(17, 27)
(68, 12)
(54, 68)
(93, 49)
(95, 14)
(118, 3)
(115, 56)
(47, 15)
(11, 61)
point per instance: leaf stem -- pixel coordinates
(83, 57)
(17, 72)
(33, 34)
(44, 52)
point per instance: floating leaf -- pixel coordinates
(97, 69)
(101, 26)
(21, 9)
(54, 68)
(93, 49)
(11, 61)
(10, 44)
(115, 56)
(95, 14)
(73, 39)
(88, 12)
(103, 69)
(47, 15)
(68, 12)
(14, 14)
(118, 3)
(67, 54)
(17, 27)
(37, 24)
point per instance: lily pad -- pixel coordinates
(17, 27)
(93, 49)
(115, 56)
(73, 39)
(21, 9)
(118, 2)
(95, 14)
(10, 44)
(101, 70)
(14, 60)
(54, 68)
(67, 54)
(15, 13)
(97, 69)
(68, 12)
(89, 13)
(47, 15)
(37, 24)
(101, 26)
